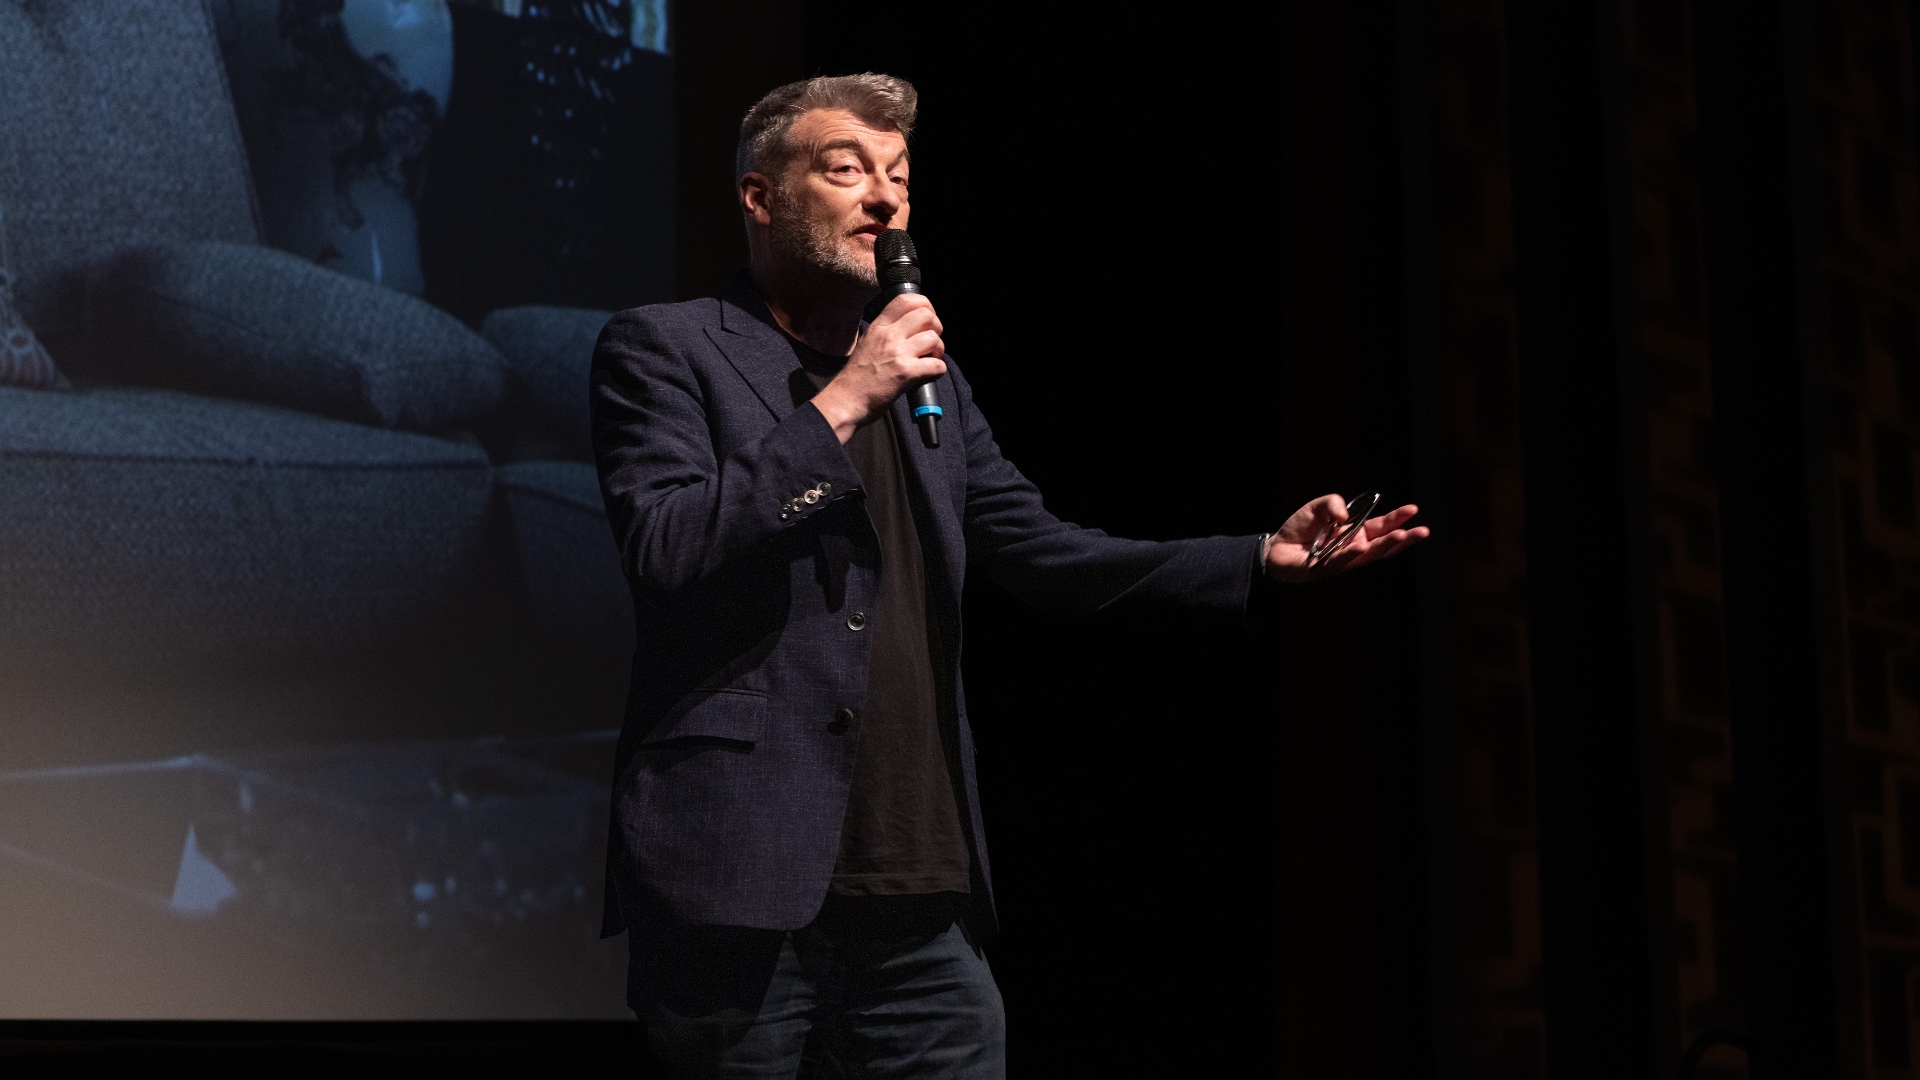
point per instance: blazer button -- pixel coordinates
(841, 720)
(857, 621)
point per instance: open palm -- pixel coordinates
(1290, 548)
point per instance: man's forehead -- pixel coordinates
(819, 128)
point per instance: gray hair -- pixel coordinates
(881, 100)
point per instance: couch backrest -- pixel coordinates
(116, 129)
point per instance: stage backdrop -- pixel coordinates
(313, 638)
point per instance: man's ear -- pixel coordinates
(756, 198)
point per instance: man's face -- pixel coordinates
(846, 184)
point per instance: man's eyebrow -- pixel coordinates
(838, 144)
(856, 144)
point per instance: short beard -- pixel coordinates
(819, 246)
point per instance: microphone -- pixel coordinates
(898, 267)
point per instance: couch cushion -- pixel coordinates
(189, 523)
(568, 561)
(115, 130)
(249, 322)
(550, 352)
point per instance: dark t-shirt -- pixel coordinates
(902, 833)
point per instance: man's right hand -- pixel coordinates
(899, 348)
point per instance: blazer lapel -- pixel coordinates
(755, 347)
(761, 354)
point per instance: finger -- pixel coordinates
(1386, 523)
(918, 321)
(1347, 558)
(1397, 517)
(1360, 552)
(1363, 549)
(1352, 548)
(923, 369)
(1382, 547)
(911, 320)
(926, 344)
(1395, 542)
(900, 306)
(1361, 539)
(1324, 508)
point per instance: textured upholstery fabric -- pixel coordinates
(568, 564)
(249, 322)
(23, 360)
(115, 130)
(148, 516)
(550, 351)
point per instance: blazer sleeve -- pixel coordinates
(1074, 571)
(678, 513)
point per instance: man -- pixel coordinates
(797, 842)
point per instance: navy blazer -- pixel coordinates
(743, 532)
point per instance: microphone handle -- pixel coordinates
(926, 411)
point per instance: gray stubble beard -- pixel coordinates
(821, 247)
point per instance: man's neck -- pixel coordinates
(825, 319)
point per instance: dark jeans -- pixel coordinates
(875, 987)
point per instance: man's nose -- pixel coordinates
(883, 198)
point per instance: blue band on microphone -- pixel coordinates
(922, 410)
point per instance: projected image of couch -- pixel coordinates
(264, 467)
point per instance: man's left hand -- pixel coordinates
(1289, 547)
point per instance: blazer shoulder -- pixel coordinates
(953, 369)
(645, 337)
(962, 389)
(684, 319)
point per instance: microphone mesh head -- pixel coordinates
(894, 259)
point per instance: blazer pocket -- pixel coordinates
(734, 715)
